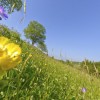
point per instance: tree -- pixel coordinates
(8, 4)
(36, 33)
(42, 46)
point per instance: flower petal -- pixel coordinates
(3, 42)
(0, 18)
(5, 15)
(1, 10)
(13, 49)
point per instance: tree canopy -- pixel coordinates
(42, 46)
(8, 4)
(36, 33)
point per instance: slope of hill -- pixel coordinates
(39, 77)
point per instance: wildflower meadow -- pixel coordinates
(29, 74)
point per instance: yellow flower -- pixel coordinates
(3, 42)
(9, 54)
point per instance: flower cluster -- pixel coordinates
(2, 13)
(9, 54)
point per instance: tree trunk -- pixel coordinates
(33, 43)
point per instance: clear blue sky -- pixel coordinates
(72, 26)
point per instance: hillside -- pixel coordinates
(39, 77)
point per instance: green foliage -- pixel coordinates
(42, 47)
(8, 4)
(10, 33)
(70, 63)
(36, 33)
(90, 67)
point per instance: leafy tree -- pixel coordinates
(36, 33)
(8, 4)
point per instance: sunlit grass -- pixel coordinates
(39, 77)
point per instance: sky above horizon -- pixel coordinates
(72, 26)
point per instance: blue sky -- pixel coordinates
(72, 26)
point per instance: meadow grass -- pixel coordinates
(39, 77)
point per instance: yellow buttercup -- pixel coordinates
(9, 54)
(3, 42)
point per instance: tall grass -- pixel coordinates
(39, 77)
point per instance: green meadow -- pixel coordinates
(40, 77)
